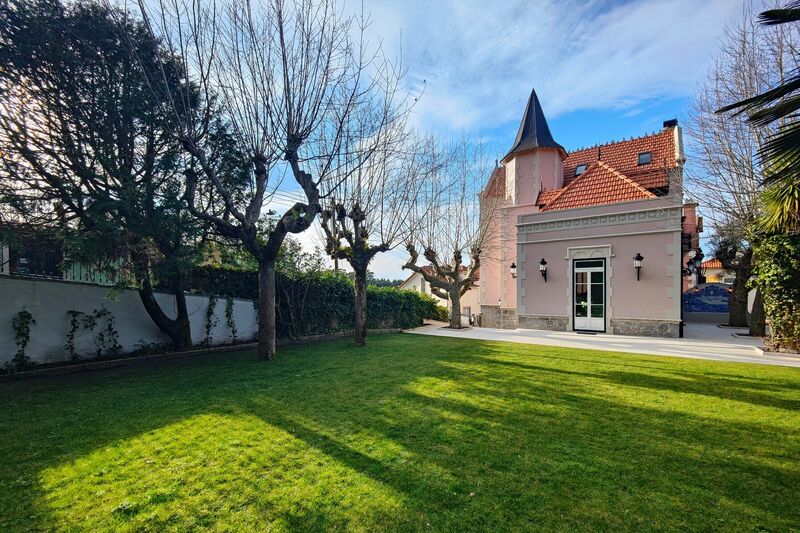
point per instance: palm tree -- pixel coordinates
(781, 207)
(781, 152)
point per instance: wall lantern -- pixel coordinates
(698, 261)
(543, 269)
(637, 263)
(695, 261)
(514, 270)
(694, 265)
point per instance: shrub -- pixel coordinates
(315, 302)
(441, 314)
(776, 276)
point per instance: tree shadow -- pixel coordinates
(471, 435)
(704, 386)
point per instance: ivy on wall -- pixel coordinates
(229, 320)
(211, 320)
(74, 327)
(776, 276)
(308, 303)
(106, 340)
(21, 323)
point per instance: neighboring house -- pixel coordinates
(35, 254)
(469, 300)
(714, 273)
(561, 256)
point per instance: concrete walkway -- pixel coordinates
(701, 341)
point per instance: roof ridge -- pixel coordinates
(623, 140)
(625, 178)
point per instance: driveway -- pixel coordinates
(701, 341)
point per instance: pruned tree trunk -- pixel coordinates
(758, 319)
(737, 303)
(178, 329)
(266, 309)
(182, 320)
(360, 306)
(455, 308)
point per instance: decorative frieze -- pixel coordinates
(668, 214)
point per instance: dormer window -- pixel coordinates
(580, 169)
(645, 158)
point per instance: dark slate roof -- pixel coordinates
(533, 130)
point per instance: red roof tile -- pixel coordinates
(623, 156)
(712, 263)
(599, 185)
(545, 197)
(496, 185)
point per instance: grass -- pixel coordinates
(409, 433)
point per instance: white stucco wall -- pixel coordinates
(49, 302)
(416, 282)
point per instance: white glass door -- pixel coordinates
(589, 295)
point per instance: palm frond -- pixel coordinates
(784, 109)
(772, 17)
(780, 155)
(781, 202)
(765, 98)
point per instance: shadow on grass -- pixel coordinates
(706, 386)
(472, 435)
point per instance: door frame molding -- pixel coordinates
(600, 251)
(588, 294)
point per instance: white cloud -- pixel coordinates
(480, 59)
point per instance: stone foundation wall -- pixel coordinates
(645, 328)
(552, 323)
(493, 316)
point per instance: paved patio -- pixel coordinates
(701, 341)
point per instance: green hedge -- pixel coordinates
(311, 303)
(776, 276)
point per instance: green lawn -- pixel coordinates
(410, 433)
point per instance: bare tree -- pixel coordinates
(453, 223)
(296, 86)
(372, 211)
(728, 176)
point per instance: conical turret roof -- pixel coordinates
(533, 130)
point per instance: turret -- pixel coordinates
(534, 162)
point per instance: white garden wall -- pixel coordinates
(49, 302)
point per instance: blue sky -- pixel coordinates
(603, 70)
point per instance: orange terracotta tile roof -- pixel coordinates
(623, 156)
(496, 186)
(600, 184)
(545, 197)
(712, 263)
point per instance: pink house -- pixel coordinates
(592, 240)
